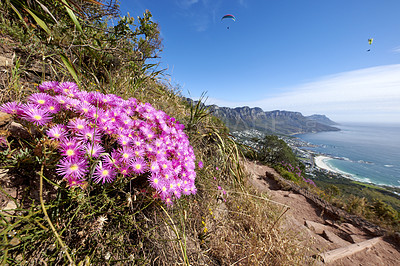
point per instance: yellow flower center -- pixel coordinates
(41, 101)
(37, 117)
(74, 167)
(138, 166)
(104, 172)
(70, 152)
(155, 180)
(79, 126)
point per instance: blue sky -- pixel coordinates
(298, 55)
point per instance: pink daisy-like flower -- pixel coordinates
(66, 87)
(154, 167)
(124, 140)
(168, 174)
(112, 159)
(61, 99)
(85, 108)
(138, 166)
(35, 115)
(125, 170)
(48, 86)
(12, 108)
(138, 152)
(52, 107)
(40, 99)
(70, 148)
(168, 201)
(163, 190)
(150, 149)
(137, 142)
(57, 132)
(88, 134)
(103, 174)
(73, 167)
(165, 165)
(156, 181)
(77, 124)
(73, 182)
(126, 154)
(72, 104)
(94, 149)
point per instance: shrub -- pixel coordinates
(102, 137)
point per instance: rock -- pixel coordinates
(296, 196)
(316, 227)
(18, 130)
(5, 119)
(348, 228)
(357, 238)
(5, 61)
(328, 235)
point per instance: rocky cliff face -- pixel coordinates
(275, 122)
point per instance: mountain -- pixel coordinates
(323, 119)
(273, 122)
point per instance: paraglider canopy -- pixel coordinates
(370, 42)
(228, 16)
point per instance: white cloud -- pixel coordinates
(371, 94)
(396, 49)
(186, 3)
(242, 3)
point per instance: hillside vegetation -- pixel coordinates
(104, 213)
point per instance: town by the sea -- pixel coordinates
(364, 152)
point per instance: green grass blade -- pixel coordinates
(70, 68)
(72, 16)
(40, 22)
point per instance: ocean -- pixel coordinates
(365, 152)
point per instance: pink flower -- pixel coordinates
(200, 164)
(139, 166)
(12, 108)
(73, 167)
(57, 132)
(35, 115)
(103, 174)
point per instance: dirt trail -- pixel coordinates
(328, 236)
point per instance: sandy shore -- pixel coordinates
(320, 163)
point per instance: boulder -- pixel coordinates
(316, 227)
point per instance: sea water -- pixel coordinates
(365, 152)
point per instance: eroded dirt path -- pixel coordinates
(327, 236)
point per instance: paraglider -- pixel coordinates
(370, 42)
(228, 16)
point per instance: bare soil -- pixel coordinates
(320, 231)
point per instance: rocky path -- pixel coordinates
(332, 242)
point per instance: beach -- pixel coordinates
(320, 163)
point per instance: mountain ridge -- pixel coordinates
(271, 122)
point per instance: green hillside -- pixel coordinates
(89, 198)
